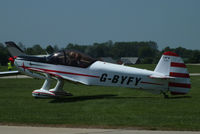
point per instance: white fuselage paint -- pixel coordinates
(99, 73)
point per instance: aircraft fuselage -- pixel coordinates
(99, 73)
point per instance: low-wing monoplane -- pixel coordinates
(170, 75)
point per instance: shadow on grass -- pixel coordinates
(108, 96)
(179, 97)
(93, 97)
(82, 98)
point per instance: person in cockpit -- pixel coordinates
(74, 59)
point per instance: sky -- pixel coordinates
(171, 23)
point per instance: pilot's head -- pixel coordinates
(72, 54)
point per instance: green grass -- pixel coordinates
(5, 68)
(193, 68)
(99, 107)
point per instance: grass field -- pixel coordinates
(5, 68)
(92, 106)
(107, 107)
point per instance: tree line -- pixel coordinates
(147, 51)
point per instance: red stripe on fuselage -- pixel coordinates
(70, 73)
(179, 75)
(182, 85)
(143, 82)
(174, 64)
(55, 71)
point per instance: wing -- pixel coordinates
(7, 73)
(67, 78)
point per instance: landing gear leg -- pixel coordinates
(44, 91)
(58, 90)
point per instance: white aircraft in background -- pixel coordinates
(170, 75)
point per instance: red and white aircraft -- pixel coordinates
(170, 75)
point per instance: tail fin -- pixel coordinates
(172, 65)
(13, 49)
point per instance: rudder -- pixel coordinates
(172, 65)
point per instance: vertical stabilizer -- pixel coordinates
(172, 65)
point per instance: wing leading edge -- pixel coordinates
(8, 73)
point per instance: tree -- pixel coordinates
(195, 57)
(80, 48)
(49, 49)
(4, 55)
(166, 49)
(146, 51)
(38, 49)
(35, 50)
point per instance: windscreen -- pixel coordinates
(71, 58)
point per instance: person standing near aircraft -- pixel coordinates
(9, 66)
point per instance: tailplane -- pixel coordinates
(13, 49)
(172, 65)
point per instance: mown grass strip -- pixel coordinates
(99, 106)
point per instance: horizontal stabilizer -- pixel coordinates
(160, 77)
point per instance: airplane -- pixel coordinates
(170, 75)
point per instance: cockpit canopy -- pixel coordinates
(70, 58)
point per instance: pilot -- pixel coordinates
(74, 58)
